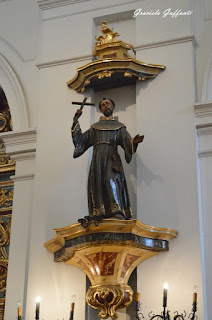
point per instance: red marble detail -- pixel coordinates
(129, 259)
(84, 266)
(103, 262)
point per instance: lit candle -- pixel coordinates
(137, 299)
(195, 299)
(37, 309)
(165, 292)
(72, 307)
(19, 309)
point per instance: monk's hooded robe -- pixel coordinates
(107, 188)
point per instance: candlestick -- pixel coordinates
(19, 309)
(137, 299)
(37, 309)
(195, 299)
(165, 292)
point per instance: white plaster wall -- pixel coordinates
(166, 178)
(203, 58)
(166, 165)
(203, 112)
(19, 42)
(203, 52)
(60, 197)
(206, 178)
(206, 182)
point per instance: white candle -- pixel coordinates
(19, 305)
(37, 310)
(165, 293)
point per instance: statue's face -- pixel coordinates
(107, 107)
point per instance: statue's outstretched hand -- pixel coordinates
(77, 116)
(138, 139)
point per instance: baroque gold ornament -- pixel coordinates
(112, 66)
(5, 160)
(109, 298)
(7, 168)
(5, 119)
(4, 234)
(6, 197)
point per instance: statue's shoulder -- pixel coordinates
(110, 123)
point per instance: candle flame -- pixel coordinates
(38, 299)
(195, 289)
(19, 304)
(73, 299)
(166, 286)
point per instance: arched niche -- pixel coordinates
(207, 83)
(13, 89)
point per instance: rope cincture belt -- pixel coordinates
(102, 142)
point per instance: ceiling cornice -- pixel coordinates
(2, 1)
(49, 4)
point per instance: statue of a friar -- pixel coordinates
(107, 188)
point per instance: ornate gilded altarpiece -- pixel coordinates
(7, 168)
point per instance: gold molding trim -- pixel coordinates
(112, 225)
(93, 70)
(8, 209)
(7, 183)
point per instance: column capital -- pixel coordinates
(203, 114)
(20, 145)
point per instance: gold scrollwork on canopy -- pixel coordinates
(104, 74)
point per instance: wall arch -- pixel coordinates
(207, 82)
(16, 97)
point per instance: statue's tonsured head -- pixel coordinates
(113, 103)
(107, 106)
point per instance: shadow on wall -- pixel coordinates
(145, 174)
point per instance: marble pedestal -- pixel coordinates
(108, 254)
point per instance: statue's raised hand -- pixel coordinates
(77, 116)
(138, 139)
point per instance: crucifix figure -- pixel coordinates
(107, 187)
